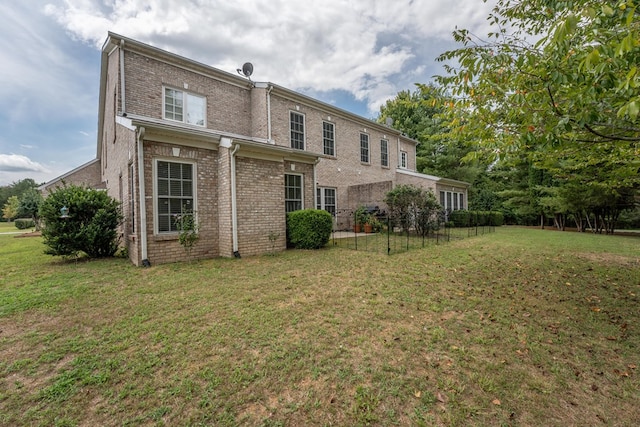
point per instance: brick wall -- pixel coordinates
(260, 197)
(228, 106)
(165, 247)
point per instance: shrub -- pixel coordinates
(464, 218)
(24, 223)
(309, 228)
(90, 225)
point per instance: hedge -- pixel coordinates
(309, 228)
(24, 223)
(464, 218)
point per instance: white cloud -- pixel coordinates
(360, 46)
(19, 163)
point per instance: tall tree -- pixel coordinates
(557, 80)
(419, 115)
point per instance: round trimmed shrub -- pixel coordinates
(91, 225)
(24, 223)
(309, 228)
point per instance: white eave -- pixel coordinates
(437, 179)
(213, 136)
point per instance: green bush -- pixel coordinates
(24, 223)
(464, 218)
(460, 218)
(90, 225)
(309, 228)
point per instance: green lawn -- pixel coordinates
(518, 327)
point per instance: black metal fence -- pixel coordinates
(385, 237)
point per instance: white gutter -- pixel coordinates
(315, 184)
(143, 209)
(122, 98)
(226, 142)
(269, 114)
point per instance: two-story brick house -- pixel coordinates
(175, 135)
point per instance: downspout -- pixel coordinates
(315, 183)
(122, 98)
(234, 209)
(143, 196)
(269, 140)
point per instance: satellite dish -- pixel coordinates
(389, 121)
(247, 70)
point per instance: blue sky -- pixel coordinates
(355, 54)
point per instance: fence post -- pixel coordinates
(355, 219)
(388, 236)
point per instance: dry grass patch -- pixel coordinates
(520, 327)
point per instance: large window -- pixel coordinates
(328, 138)
(384, 152)
(292, 192)
(326, 200)
(175, 193)
(451, 200)
(364, 148)
(184, 107)
(296, 121)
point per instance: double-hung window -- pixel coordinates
(292, 192)
(384, 153)
(175, 194)
(403, 159)
(184, 107)
(326, 200)
(328, 138)
(364, 148)
(296, 123)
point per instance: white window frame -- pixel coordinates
(365, 148)
(321, 197)
(404, 159)
(187, 99)
(452, 200)
(156, 196)
(332, 140)
(384, 153)
(292, 130)
(286, 199)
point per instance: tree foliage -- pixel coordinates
(30, 202)
(89, 227)
(412, 207)
(558, 80)
(11, 208)
(419, 115)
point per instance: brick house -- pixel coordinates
(175, 134)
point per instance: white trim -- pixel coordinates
(301, 190)
(63, 176)
(368, 161)
(194, 180)
(185, 105)
(304, 131)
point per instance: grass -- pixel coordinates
(517, 327)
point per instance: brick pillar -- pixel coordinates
(224, 200)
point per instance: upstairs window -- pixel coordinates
(384, 153)
(184, 107)
(328, 138)
(364, 148)
(296, 121)
(403, 159)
